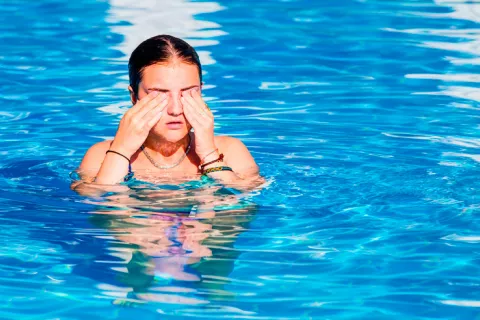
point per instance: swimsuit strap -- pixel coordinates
(129, 174)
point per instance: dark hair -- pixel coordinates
(160, 49)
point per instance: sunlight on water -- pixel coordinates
(139, 20)
(363, 117)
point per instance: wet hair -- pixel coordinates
(160, 49)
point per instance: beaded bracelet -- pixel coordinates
(219, 159)
(216, 169)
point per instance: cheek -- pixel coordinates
(157, 127)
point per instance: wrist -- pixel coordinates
(215, 164)
(118, 147)
(215, 154)
(209, 154)
(218, 168)
(215, 161)
(119, 154)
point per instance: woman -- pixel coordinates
(160, 226)
(155, 134)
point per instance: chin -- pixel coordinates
(171, 135)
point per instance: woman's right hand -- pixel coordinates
(137, 123)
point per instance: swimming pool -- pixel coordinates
(363, 115)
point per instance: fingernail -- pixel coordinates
(156, 93)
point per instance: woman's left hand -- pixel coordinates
(201, 119)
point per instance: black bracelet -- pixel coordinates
(118, 154)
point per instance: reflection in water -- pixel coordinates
(172, 245)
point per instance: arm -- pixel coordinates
(245, 171)
(245, 175)
(95, 160)
(131, 133)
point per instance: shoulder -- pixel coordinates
(95, 155)
(230, 145)
(236, 154)
(224, 142)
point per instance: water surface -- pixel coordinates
(363, 116)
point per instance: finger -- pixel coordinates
(195, 106)
(192, 109)
(156, 115)
(190, 114)
(198, 98)
(152, 104)
(154, 111)
(187, 111)
(141, 102)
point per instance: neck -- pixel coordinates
(163, 150)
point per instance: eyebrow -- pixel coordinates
(166, 90)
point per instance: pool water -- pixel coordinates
(363, 116)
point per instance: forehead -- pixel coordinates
(170, 76)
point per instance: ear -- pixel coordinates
(133, 97)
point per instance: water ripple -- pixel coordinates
(363, 117)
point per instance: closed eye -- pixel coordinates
(166, 90)
(159, 90)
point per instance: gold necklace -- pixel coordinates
(170, 166)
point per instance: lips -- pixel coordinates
(174, 125)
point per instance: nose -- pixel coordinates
(175, 107)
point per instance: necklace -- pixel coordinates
(170, 166)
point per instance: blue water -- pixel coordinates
(363, 116)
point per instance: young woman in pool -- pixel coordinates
(155, 134)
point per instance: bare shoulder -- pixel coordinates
(94, 156)
(237, 155)
(88, 168)
(223, 142)
(227, 144)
